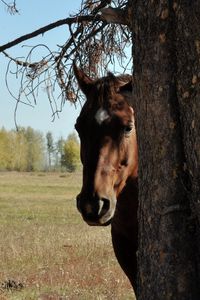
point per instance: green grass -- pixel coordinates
(46, 246)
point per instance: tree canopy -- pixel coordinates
(27, 150)
(22, 150)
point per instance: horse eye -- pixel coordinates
(127, 129)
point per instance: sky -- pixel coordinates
(33, 15)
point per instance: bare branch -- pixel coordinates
(11, 7)
(67, 21)
(95, 41)
(20, 62)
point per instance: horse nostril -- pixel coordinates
(104, 207)
(107, 211)
(95, 210)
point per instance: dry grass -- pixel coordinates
(46, 247)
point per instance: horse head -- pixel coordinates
(106, 128)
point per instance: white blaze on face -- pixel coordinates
(101, 115)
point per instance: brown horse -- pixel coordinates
(109, 156)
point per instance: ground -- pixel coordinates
(47, 251)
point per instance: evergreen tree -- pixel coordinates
(50, 147)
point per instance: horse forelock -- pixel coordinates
(108, 86)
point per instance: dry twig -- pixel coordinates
(94, 42)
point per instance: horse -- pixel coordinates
(108, 152)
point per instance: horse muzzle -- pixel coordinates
(96, 211)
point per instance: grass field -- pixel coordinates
(47, 251)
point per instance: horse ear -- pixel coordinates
(84, 81)
(128, 87)
(127, 91)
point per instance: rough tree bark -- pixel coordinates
(188, 90)
(166, 50)
(167, 103)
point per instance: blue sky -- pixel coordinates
(33, 15)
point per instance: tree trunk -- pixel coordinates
(167, 121)
(188, 90)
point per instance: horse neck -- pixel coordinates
(129, 193)
(125, 218)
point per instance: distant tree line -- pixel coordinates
(28, 150)
(63, 154)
